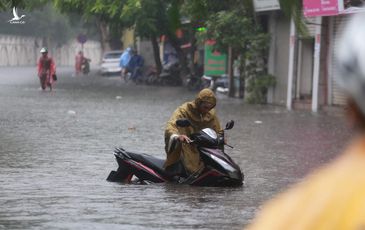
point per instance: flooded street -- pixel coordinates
(56, 150)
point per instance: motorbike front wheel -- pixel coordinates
(127, 77)
(194, 84)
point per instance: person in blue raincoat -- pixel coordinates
(124, 61)
(135, 65)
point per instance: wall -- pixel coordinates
(279, 56)
(128, 38)
(24, 51)
(146, 50)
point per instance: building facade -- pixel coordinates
(305, 65)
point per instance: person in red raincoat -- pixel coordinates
(46, 70)
(79, 58)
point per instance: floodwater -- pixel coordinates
(56, 150)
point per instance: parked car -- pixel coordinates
(110, 62)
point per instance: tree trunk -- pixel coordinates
(192, 64)
(115, 34)
(231, 91)
(242, 75)
(115, 42)
(180, 54)
(104, 35)
(156, 54)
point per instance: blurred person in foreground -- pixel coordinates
(332, 197)
(183, 158)
(46, 70)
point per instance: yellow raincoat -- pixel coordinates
(331, 198)
(187, 153)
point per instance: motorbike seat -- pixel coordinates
(150, 161)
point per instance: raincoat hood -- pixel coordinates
(205, 95)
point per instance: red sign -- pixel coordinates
(320, 7)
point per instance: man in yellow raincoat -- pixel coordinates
(201, 114)
(333, 197)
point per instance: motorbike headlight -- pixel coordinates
(224, 164)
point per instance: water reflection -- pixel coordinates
(53, 164)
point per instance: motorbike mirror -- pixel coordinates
(183, 122)
(229, 125)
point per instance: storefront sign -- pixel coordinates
(332, 7)
(320, 8)
(215, 63)
(266, 5)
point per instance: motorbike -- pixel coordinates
(221, 84)
(207, 82)
(151, 76)
(217, 84)
(220, 170)
(194, 79)
(193, 82)
(85, 66)
(136, 76)
(170, 75)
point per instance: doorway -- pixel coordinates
(303, 89)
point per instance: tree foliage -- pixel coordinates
(294, 9)
(233, 25)
(41, 21)
(152, 19)
(99, 15)
(22, 4)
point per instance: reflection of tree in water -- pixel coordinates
(357, 3)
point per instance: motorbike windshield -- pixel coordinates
(210, 132)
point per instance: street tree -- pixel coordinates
(198, 13)
(148, 20)
(6, 4)
(151, 20)
(22, 4)
(294, 9)
(42, 20)
(233, 26)
(97, 13)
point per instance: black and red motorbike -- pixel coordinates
(85, 66)
(220, 170)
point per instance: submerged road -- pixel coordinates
(56, 150)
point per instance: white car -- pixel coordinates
(110, 62)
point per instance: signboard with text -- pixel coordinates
(320, 8)
(215, 63)
(313, 8)
(266, 5)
